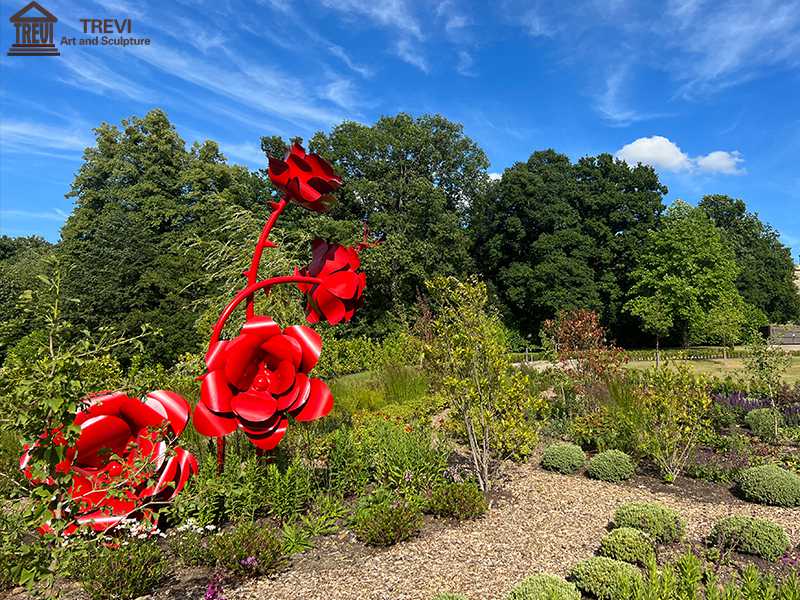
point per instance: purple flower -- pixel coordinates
(214, 589)
(249, 563)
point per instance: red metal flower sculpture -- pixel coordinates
(256, 380)
(339, 292)
(122, 463)
(306, 179)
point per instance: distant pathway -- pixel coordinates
(546, 522)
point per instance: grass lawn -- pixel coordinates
(721, 368)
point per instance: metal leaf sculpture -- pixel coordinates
(123, 463)
(255, 381)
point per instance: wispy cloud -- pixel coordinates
(393, 14)
(342, 55)
(56, 141)
(92, 74)
(409, 52)
(466, 64)
(52, 215)
(612, 103)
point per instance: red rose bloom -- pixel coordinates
(336, 298)
(120, 463)
(258, 378)
(307, 179)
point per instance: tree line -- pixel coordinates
(158, 228)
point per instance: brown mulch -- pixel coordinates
(544, 522)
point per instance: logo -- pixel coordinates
(34, 32)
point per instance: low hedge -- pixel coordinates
(563, 457)
(611, 465)
(384, 519)
(770, 484)
(605, 578)
(750, 535)
(628, 545)
(544, 587)
(663, 524)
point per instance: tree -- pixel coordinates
(413, 179)
(552, 235)
(685, 279)
(140, 195)
(766, 364)
(766, 268)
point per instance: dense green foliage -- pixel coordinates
(544, 587)
(123, 573)
(383, 519)
(765, 264)
(563, 457)
(628, 545)
(663, 524)
(457, 501)
(611, 465)
(770, 484)
(605, 578)
(761, 422)
(248, 548)
(750, 535)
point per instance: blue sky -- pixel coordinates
(707, 92)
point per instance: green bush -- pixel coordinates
(750, 535)
(663, 524)
(248, 549)
(611, 465)
(605, 578)
(383, 519)
(761, 422)
(770, 484)
(123, 573)
(544, 587)
(628, 545)
(563, 458)
(457, 501)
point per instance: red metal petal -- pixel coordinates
(101, 436)
(320, 402)
(108, 403)
(242, 360)
(271, 440)
(139, 415)
(254, 406)
(262, 326)
(310, 343)
(343, 284)
(279, 171)
(215, 393)
(283, 378)
(303, 387)
(216, 355)
(208, 424)
(329, 305)
(282, 347)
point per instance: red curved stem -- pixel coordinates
(248, 293)
(263, 242)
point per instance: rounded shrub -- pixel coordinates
(382, 520)
(761, 422)
(563, 458)
(605, 578)
(770, 484)
(248, 548)
(611, 465)
(663, 524)
(628, 545)
(544, 587)
(457, 501)
(750, 535)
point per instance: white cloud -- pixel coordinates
(27, 137)
(244, 153)
(495, 176)
(465, 64)
(662, 153)
(340, 53)
(410, 53)
(92, 74)
(721, 161)
(656, 151)
(53, 215)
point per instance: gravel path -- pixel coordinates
(546, 522)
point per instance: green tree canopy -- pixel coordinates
(685, 281)
(766, 268)
(553, 235)
(140, 194)
(413, 179)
